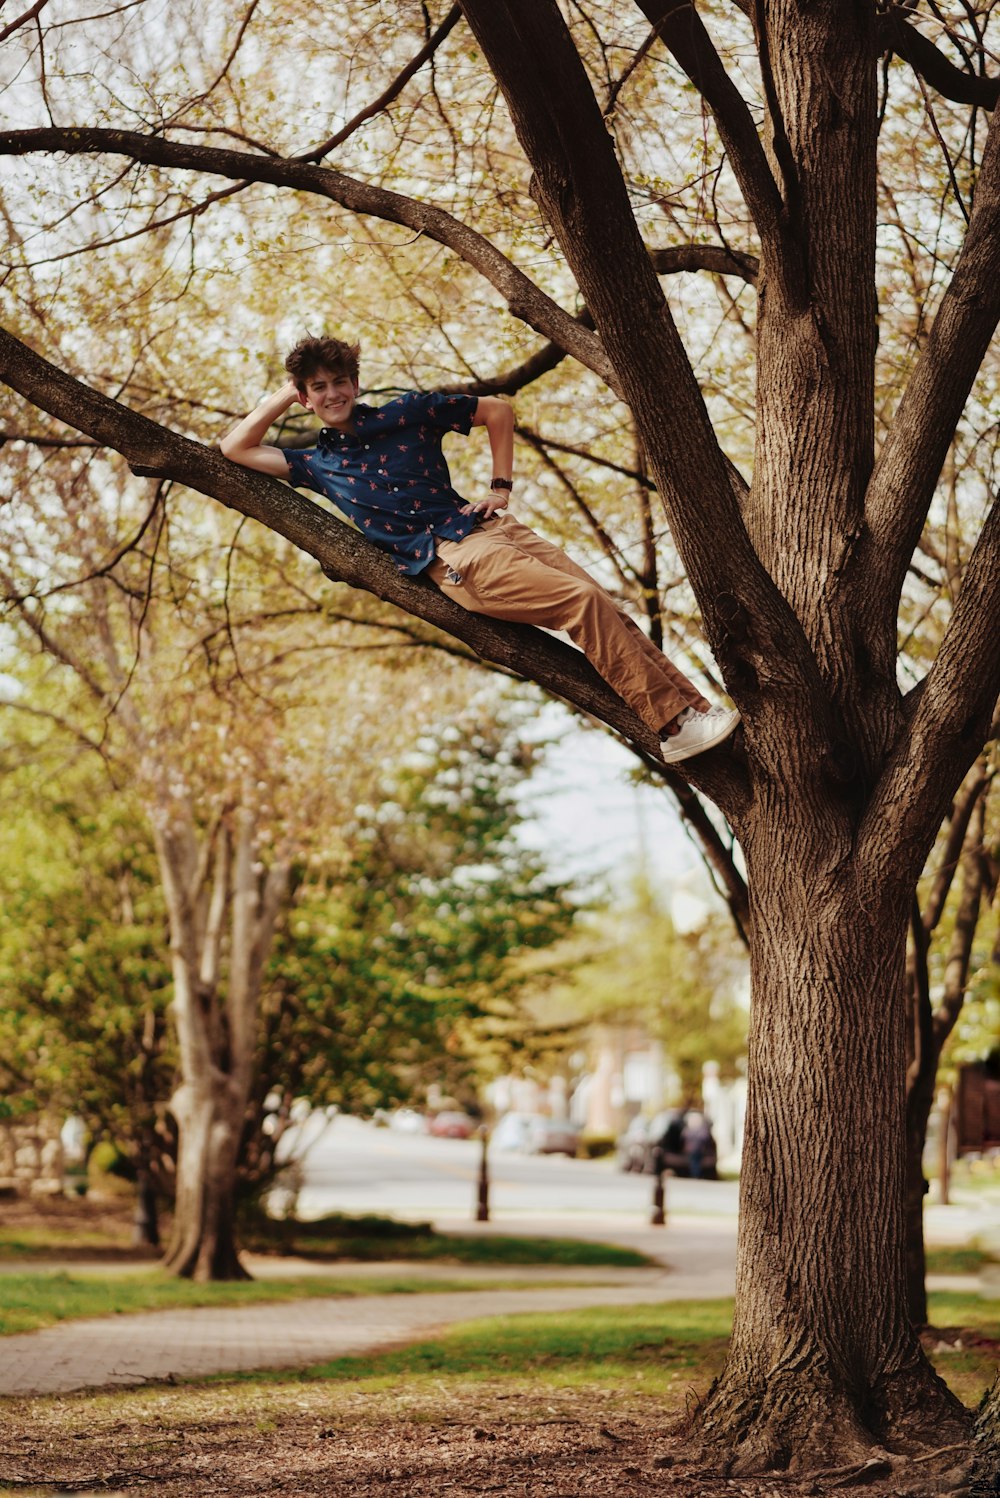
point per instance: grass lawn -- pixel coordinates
(103, 1230)
(31, 1301)
(378, 1238)
(651, 1347)
(957, 1259)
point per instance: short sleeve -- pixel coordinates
(300, 472)
(448, 413)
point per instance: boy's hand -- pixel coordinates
(486, 507)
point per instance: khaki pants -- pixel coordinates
(506, 570)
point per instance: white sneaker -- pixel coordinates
(698, 732)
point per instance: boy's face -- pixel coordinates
(331, 396)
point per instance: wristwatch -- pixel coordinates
(507, 484)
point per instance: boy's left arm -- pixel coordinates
(498, 419)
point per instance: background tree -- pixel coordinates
(242, 761)
(840, 781)
(83, 968)
(630, 965)
(414, 936)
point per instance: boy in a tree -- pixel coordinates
(383, 468)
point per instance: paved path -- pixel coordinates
(134, 1349)
(157, 1345)
(696, 1261)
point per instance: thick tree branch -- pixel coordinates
(896, 34)
(343, 554)
(536, 365)
(524, 299)
(753, 632)
(949, 720)
(674, 259)
(909, 465)
(23, 19)
(33, 440)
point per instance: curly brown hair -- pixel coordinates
(311, 354)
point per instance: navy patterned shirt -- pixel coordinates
(392, 479)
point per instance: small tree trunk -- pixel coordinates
(203, 1243)
(145, 1220)
(216, 1027)
(944, 1147)
(825, 1364)
(918, 1110)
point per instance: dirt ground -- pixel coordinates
(301, 1439)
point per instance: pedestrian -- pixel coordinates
(697, 1136)
(383, 467)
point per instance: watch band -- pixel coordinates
(507, 484)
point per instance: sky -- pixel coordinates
(594, 824)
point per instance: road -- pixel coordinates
(355, 1167)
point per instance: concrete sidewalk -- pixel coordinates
(696, 1258)
(698, 1262)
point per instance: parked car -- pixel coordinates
(452, 1125)
(535, 1134)
(632, 1147)
(679, 1140)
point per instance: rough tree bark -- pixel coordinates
(837, 784)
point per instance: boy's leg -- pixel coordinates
(498, 571)
(532, 544)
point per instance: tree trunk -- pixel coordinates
(203, 1244)
(987, 1445)
(145, 1219)
(216, 1026)
(825, 1366)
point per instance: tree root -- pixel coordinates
(986, 1447)
(910, 1428)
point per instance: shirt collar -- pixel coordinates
(331, 437)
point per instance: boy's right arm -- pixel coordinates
(243, 444)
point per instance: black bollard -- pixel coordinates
(659, 1217)
(483, 1207)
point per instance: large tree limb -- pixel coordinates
(896, 34)
(753, 632)
(909, 465)
(343, 554)
(949, 720)
(23, 19)
(715, 258)
(524, 299)
(958, 960)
